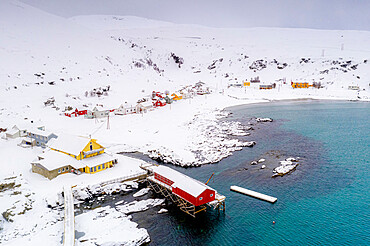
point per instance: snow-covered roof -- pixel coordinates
(146, 104)
(185, 183)
(54, 159)
(24, 125)
(69, 143)
(12, 131)
(99, 108)
(127, 105)
(40, 132)
(28, 139)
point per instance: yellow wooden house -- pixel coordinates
(301, 85)
(72, 154)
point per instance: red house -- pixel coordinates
(189, 189)
(81, 112)
(76, 113)
(156, 94)
(159, 102)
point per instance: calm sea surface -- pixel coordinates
(325, 201)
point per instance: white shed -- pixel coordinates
(143, 107)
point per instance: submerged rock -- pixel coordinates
(264, 120)
(291, 159)
(249, 144)
(285, 167)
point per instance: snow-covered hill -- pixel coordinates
(44, 56)
(134, 54)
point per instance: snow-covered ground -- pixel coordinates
(44, 56)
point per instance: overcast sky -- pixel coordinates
(318, 14)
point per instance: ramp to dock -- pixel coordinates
(69, 217)
(253, 194)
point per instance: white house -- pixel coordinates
(15, 132)
(97, 112)
(20, 130)
(143, 107)
(40, 136)
(125, 109)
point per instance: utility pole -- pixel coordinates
(108, 126)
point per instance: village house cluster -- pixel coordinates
(62, 153)
(257, 81)
(76, 154)
(32, 134)
(156, 100)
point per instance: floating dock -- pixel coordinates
(253, 194)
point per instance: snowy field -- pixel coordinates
(66, 59)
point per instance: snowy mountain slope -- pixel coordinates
(45, 56)
(103, 22)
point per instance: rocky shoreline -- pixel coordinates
(213, 139)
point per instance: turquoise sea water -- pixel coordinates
(325, 201)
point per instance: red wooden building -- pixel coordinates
(76, 113)
(187, 188)
(159, 102)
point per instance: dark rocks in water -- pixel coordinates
(286, 166)
(264, 120)
(249, 144)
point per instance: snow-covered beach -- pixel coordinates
(65, 59)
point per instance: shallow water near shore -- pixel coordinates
(324, 201)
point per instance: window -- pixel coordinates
(59, 171)
(63, 170)
(91, 170)
(103, 166)
(94, 169)
(211, 195)
(91, 147)
(67, 168)
(200, 198)
(98, 167)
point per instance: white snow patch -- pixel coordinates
(141, 192)
(137, 206)
(107, 226)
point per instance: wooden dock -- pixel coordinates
(135, 176)
(69, 217)
(253, 194)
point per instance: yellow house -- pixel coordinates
(176, 97)
(300, 85)
(247, 83)
(72, 154)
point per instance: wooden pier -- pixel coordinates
(253, 194)
(69, 217)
